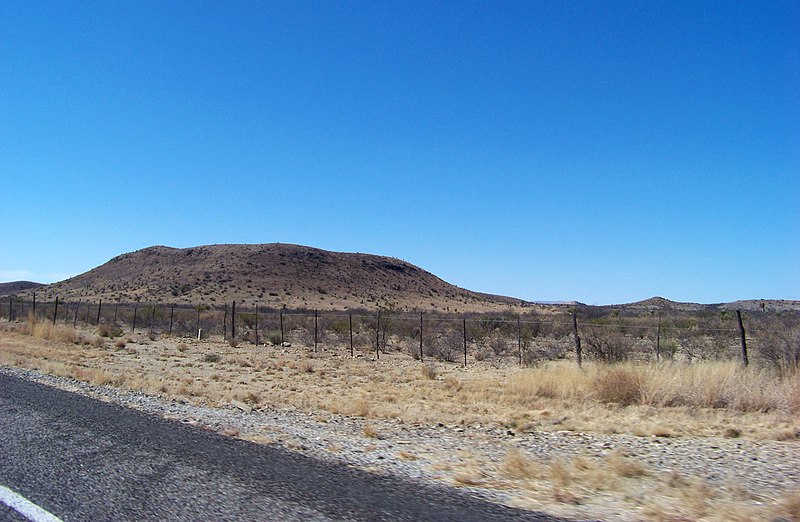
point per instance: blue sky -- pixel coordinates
(598, 151)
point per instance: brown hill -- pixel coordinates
(17, 286)
(273, 275)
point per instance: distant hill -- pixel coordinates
(751, 305)
(272, 275)
(17, 286)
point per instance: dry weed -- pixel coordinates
(428, 371)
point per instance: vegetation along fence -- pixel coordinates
(581, 333)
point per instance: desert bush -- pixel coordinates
(211, 358)
(446, 346)
(109, 330)
(428, 371)
(274, 337)
(482, 353)
(621, 385)
(607, 345)
(498, 343)
(777, 343)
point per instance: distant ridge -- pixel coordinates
(17, 286)
(273, 275)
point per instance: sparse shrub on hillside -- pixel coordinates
(211, 358)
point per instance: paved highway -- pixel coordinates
(83, 459)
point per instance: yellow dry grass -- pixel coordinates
(668, 400)
(703, 399)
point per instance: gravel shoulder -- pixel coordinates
(569, 474)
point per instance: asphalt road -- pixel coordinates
(84, 459)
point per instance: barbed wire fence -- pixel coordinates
(530, 338)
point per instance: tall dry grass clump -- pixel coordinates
(553, 381)
(711, 384)
(47, 330)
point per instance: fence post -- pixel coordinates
(578, 354)
(116, 305)
(745, 361)
(420, 336)
(351, 335)
(465, 341)
(316, 320)
(197, 321)
(152, 317)
(171, 315)
(99, 307)
(256, 325)
(378, 336)
(75, 318)
(233, 321)
(34, 305)
(55, 312)
(135, 309)
(281, 318)
(10, 308)
(519, 339)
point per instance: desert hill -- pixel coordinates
(273, 275)
(18, 286)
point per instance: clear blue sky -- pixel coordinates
(599, 151)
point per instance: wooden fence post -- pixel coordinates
(378, 336)
(519, 339)
(256, 325)
(316, 320)
(578, 354)
(465, 341)
(171, 315)
(55, 312)
(152, 317)
(75, 319)
(197, 321)
(99, 307)
(745, 360)
(283, 341)
(116, 305)
(351, 335)
(34, 305)
(10, 308)
(420, 336)
(135, 310)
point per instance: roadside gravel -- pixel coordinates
(473, 456)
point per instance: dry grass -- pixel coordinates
(668, 400)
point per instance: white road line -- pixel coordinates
(25, 507)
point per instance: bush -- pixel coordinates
(619, 385)
(109, 330)
(211, 358)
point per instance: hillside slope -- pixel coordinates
(271, 275)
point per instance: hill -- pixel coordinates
(17, 286)
(272, 275)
